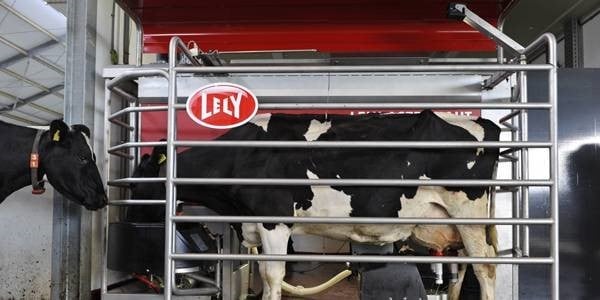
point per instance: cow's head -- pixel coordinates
(150, 165)
(70, 164)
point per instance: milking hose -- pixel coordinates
(306, 291)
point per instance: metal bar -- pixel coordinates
(31, 82)
(510, 127)
(29, 53)
(26, 53)
(30, 22)
(178, 44)
(487, 29)
(170, 206)
(137, 109)
(510, 157)
(496, 79)
(524, 136)
(124, 94)
(359, 220)
(137, 180)
(360, 144)
(136, 202)
(121, 154)
(135, 74)
(139, 41)
(136, 144)
(511, 115)
(553, 97)
(359, 182)
(122, 124)
(404, 105)
(28, 101)
(364, 258)
(338, 144)
(373, 68)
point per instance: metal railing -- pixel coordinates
(516, 121)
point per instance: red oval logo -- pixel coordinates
(222, 105)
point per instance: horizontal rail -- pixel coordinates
(359, 220)
(122, 124)
(124, 94)
(359, 182)
(467, 105)
(362, 144)
(373, 68)
(135, 74)
(120, 154)
(122, 181)
(337, 144)
(136, 144)
(137, 109)
(364, 258)
(136, 202)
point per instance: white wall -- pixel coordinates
(26, 245)
(591, 43)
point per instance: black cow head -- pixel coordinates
(150, 165)
(67, 158)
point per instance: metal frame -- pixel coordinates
(516, 122)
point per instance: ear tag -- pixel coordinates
(56, 136)
(161, 159)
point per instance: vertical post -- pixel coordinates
(71, 229)
(553, 99)
(573, 43)
(523, 136)
(171, 165)
(106, 210)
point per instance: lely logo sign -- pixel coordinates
(222, 105)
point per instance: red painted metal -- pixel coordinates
(323, 25)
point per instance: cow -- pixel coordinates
(347, 201)
(61, 153)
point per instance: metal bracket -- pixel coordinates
(461, 12)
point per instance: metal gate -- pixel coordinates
(514, 152)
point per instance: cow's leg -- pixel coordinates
(474, 240)
(274, 241)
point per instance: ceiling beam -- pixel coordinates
(31, 53)
(31, 82)
(30, 22)
(18, 102)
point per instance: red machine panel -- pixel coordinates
(323, 25)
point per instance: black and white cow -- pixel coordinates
(63, 154)
(344, 201)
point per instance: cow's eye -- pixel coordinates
(83, 159)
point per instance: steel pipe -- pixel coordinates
(135, 74)
(420, 105)
(364, 258)
(137, 109)
(359, 220)
(358, 182)
(373, 68)
(361, 144)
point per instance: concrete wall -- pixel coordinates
(26, 247)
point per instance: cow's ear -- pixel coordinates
(159, 154)
(82, 128)
(58, 131)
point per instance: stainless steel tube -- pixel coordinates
(373, 68)
(137, 109)
(135, 74)
(362, 144)
(399, 105)
(358, 182)
(169, 272)
(553, 97)
(365, 258)
(359, 220)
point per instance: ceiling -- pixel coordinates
(32, 60)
